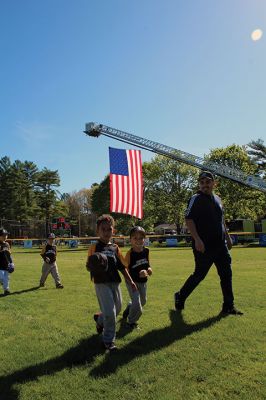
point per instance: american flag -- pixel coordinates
(126, 182)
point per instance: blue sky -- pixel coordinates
(182, 73)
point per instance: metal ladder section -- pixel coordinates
(93, 129)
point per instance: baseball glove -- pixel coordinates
(11, 267)
(98, 265)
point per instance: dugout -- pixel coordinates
(242, 226)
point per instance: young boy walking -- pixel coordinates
(104, 261)
(6, 263)
(137, 260)
(49, 253)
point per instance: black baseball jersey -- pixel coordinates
(115, 262)
(136, 261)
(49, 251)
(5, 255)
(206, 211)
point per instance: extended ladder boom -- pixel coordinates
(94, 129)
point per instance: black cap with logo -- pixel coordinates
(206, 175)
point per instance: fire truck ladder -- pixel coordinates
(95, 130)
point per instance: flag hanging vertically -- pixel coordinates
(126, 182)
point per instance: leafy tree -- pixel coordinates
(80, 211)
(5, 187)
(257, 151)
(239, 201)
(17, 189)
(46, 194)
(168, 186)
(100, 200)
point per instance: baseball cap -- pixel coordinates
(51, 236)
(3, 232)
(206, 174)
(136, 229)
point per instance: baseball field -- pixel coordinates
(50, 349)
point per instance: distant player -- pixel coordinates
(6, 263)
(138, 264)
(49, 253)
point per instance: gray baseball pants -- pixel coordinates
(110, 301)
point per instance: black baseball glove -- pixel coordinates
(98, 265)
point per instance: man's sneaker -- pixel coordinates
(99, 328)
(231, 311)
(6, 292)
(134, 325)
(41, 284)
(179, 304)
(59, 286)
(126, 311)
(110, 346)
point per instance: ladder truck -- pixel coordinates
(95, 130)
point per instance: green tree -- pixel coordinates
(6, 187)
(17, 189)
(168, 185)
(100, 200)
(239, 201)
(46, 195)
(257, 151)
(80, 211)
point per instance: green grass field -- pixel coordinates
(49, 348)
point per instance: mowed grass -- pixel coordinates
(49, 348)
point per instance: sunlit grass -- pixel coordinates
(49, 348)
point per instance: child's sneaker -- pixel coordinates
(59, 286)
(6, 292)
(134, 325)
(99, 328)
(110, 346)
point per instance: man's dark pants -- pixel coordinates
(203, 262)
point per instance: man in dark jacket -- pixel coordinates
(210, 243)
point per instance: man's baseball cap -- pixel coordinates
(206, 175)
(137, 229)
(51, 236)
(3, 232)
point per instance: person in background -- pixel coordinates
(6, 262)
(49, 253)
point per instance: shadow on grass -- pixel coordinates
(84, 353)
(21, 291)
(152, 341)
(87, 349)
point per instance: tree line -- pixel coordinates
(29, 197)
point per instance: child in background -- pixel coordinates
(106, 257)
(49, 253)
(6, 264)
(137, 260)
